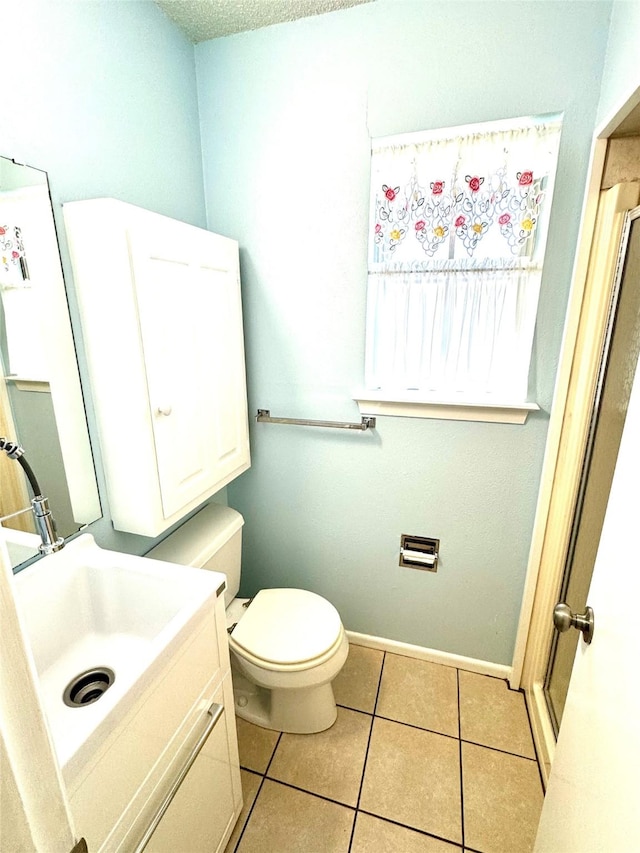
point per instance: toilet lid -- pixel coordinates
(287, 626)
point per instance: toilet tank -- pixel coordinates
(211, 539)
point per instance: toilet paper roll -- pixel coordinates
(419, 557)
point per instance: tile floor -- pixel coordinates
(423, 758)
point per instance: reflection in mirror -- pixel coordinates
(41, 405)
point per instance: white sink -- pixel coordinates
(21, 546)
(87, 608)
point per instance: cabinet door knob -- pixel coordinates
(163, 410)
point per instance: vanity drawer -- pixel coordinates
(199, 806)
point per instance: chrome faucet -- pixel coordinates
(45, 524)
(51, 542)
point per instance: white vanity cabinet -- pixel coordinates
(162, 326)
(167, 776)
(202, 814)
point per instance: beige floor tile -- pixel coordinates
(329, 763)
(356, 685)
(255, 745)
(419, 693)
(493, 715)
(250, 784)
(372, 834)
(285, 820)
(502, 800)
(413, 777)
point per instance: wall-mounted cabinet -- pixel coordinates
(162, 325)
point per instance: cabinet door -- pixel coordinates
(188, 294)
(203, 808)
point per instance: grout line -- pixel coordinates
(355, 811)
(249, 813)
(456, 737)
(255, 800)
(375, 704)
(355, 710)
(458, 698)
(460, 755)
(419, 728)
(366, 754)
(497, 749)
(343, 805)
(414, 829)
(275, 749)
(311, 793)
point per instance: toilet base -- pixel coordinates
(307, 710)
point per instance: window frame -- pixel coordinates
(397, 401)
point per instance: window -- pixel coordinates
(459, 220)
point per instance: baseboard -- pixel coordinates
(433, 655)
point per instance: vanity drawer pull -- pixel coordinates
(215, 712)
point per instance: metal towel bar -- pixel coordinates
(264, 417)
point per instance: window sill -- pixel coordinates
(407, 404)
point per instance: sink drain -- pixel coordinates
(88, 687)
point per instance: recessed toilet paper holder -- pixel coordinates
(419, 552)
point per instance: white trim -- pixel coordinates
(554, 434)
(541, 729)
(532, 639)
(618, 115)
(408, 650)
(408, 405)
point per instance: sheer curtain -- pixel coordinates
(458, 225)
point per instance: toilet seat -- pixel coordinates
(287, 629)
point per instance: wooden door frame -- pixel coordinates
(562, 465)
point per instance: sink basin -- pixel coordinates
(87, 608)
(20, 545)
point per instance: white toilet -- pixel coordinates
(287, 645)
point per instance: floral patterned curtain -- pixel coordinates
(13, 263)
(459, 220)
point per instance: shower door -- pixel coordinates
(617, 370)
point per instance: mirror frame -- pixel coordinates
(64, 381)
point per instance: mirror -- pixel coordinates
(41, 405)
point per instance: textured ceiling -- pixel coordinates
(208, 19)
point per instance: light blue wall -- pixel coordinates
(621, 75)
(102, 96)
(286, 114)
